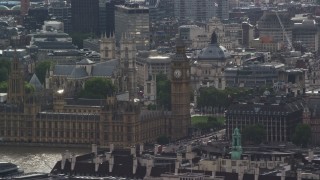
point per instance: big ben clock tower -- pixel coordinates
(180, 95)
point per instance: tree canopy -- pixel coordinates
(255, 134)
(163, 139)
(77, 38)
(3, 87)
(98, 88)
(28, 88)
(210, 96)
(163, 91)
(302, 135)
(41, 69)
(4, 69)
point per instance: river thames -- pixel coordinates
(36, 159)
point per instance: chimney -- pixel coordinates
(97, 161)
(299, 174)
(141, 148)
(135, 165)
(310, 155)
(63, 160)
(176, 167)
(65, 156)
(111, 148)
(156, 149)
(73, 161)
(94, 149)
(111, 162)
(179, 157)
(256, 172)
(283, 174)
(149, 166)
(133, 151)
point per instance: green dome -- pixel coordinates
(16, 7)
(2, 7)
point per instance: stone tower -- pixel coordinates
(16, 82)
(180, 93)
(128, 66)
(107, 47)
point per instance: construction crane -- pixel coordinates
(290, 46)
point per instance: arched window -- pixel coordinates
(106, 52)
(126, 53)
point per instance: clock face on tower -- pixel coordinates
(177, 73)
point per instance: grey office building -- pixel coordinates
(133, 20)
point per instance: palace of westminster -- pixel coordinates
(49, 115)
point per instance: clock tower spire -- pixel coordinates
(180, 93)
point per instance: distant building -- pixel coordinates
(110, 16)
(133, 20)
(307, 32)
(25, 5)
(36, 117)
(160, 10)
(62, 12)
(271, 32)
(278, 115)
(35, 18)
(85, 16)
(44, 42)
(150, 63)
(251, 76)
(209, 65)
(201, 10)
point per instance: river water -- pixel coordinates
(36, 159)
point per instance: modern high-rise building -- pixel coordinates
(106, 15)
(61, 11)
(271, 30)
(85, 16)
(160, 9)
(201, 10)
(133, 20)
(25, 5)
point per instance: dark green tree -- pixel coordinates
(77, 38)
(255, 134)
(163, 139)
(164, 91)
(302, 135)
(28, 88)
(3, 87)
(41, 69)
(214, 123)
(98, 88)
(4, 69)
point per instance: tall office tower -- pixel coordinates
(133, 20)
(61, 11)
(110, 16)
(25, 5)
(85, 16)
(222, 9)
(102, 16)
(201, 10)
(270, 29)
(160, 9)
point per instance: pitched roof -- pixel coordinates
(78, 72)
(63, 70)
(85, 62)
(106, 68)
(36, 83)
